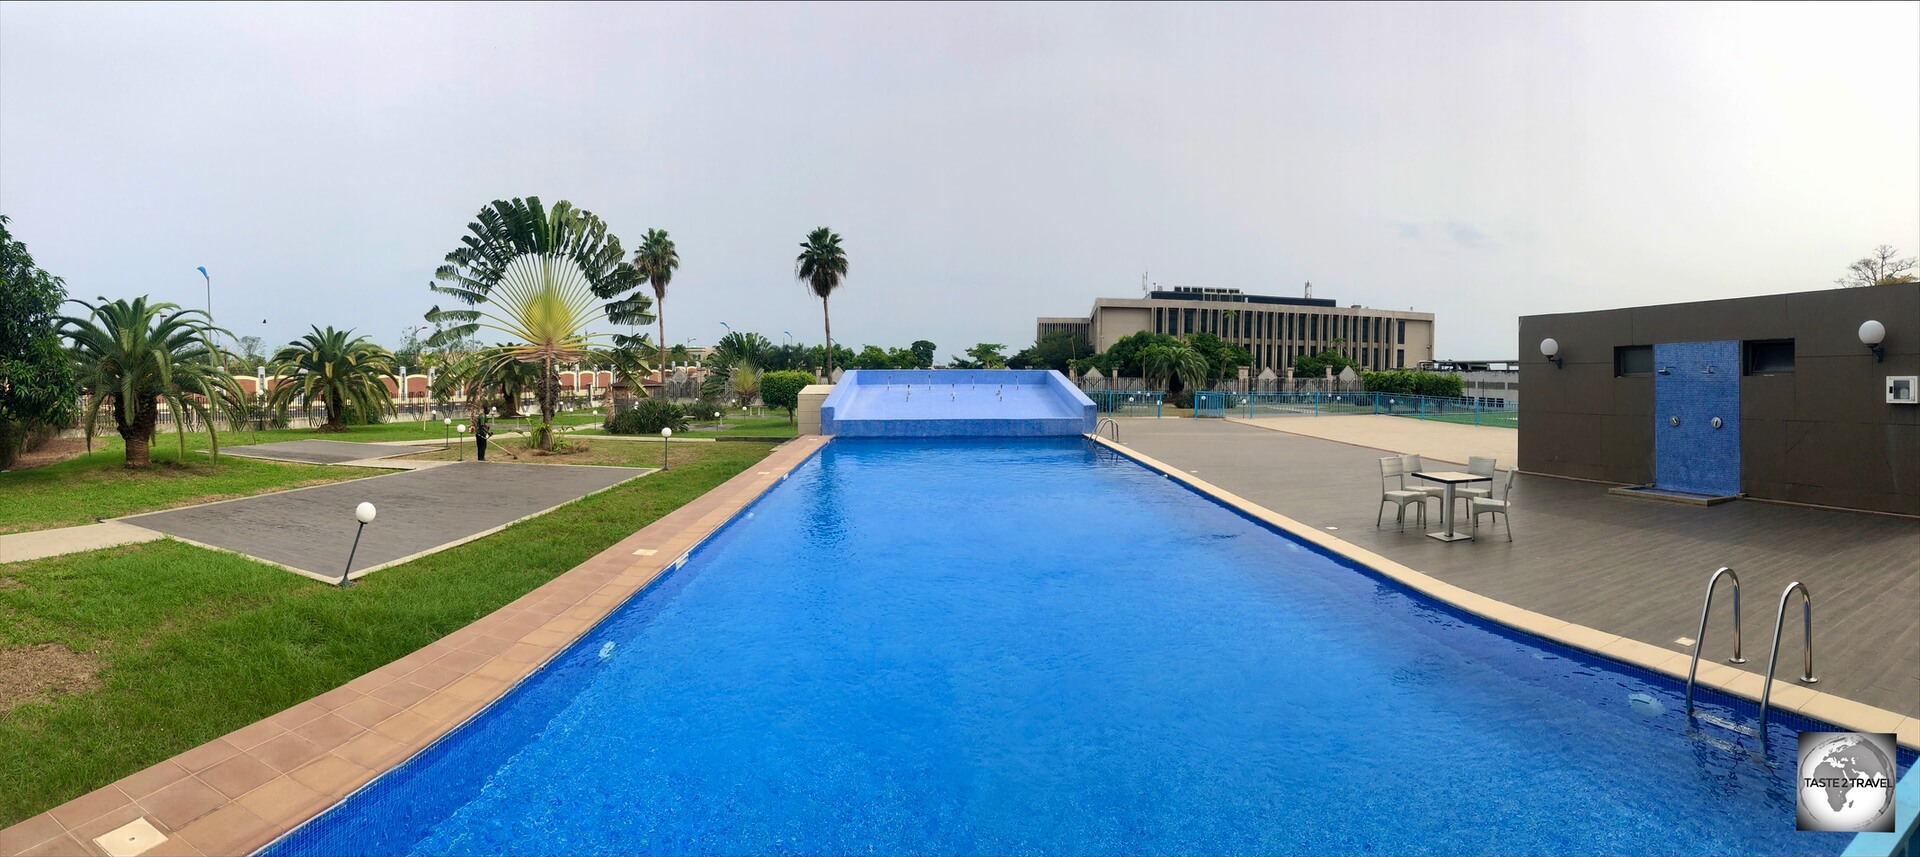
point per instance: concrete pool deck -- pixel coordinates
(239, 792)
(1624, 568)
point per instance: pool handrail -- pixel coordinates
(1700, 636)
(1773, 657)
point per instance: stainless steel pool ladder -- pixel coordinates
(1108, 421)
(1773, 656)
(1700, 636)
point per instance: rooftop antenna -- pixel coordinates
(1143, 283)
(1309, 288)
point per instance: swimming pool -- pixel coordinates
(1035, 646)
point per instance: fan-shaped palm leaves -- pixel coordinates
(1180, 366)
(137, 355)
(821, 266)
(539, 273)
(336, 369)
(656, 261)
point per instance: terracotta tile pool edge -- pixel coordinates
(246, 789)
(1837, 710)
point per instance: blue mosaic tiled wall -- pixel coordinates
(956, 403)
(1702, 381)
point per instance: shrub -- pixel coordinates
(649, 418)
(782, 389)
(1412, 383)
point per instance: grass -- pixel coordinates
(196, 643)
(98, 485)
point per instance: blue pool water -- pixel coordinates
(1035, 647)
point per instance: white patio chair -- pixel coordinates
(1393, 490)
(1487, 506)
(1478, 465)
(1413, 464)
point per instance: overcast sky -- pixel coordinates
(985, 164)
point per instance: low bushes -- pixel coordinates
(649, 418)
(1412, 383)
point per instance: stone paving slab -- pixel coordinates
(311, 530)
(1434, 439)
(318, 451)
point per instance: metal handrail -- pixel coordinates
(1108, 421)
(1773, 656)
(1700, 636)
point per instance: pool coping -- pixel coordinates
(1837, 710)
(242, 791)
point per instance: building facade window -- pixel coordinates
(1769, 357)
(1403, 338)
(1400, 356)
(1630, 360)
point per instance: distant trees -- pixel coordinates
(1056, 350)
(1882, 267)
(1315, 365)
(337, 369)
(37, 386)
(1178, 366)
(1223, 358)
(1413, 382)
(923, 352)
(984, 355)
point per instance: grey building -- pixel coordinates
(1803, 397)
(1275, 329)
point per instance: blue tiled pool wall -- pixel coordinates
(370, 822)
(1048, 407)
(1783, 726)
(1703, 382)
(373, 822)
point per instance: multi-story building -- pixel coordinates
(1276, 329)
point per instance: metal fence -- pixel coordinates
(1465, 411)
(1126, 403)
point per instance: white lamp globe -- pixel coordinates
(666, 431)
(448, 421)
(364, 513)
(1872, 332)
(1549, 346)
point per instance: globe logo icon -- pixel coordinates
(1845, 782)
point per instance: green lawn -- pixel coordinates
(195, 643)
(585, 449)
(98, 485)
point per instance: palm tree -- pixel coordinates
(1180, 366)
(540, 271)
(739, 347)
(821, 265)
(631, 364)
(336, 369)
(137, 355)
(656, 261)
(746, 383)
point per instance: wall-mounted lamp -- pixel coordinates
(1550, 347)
(1872, 333)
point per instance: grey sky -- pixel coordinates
(986, 164)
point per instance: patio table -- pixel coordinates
(1449, 478)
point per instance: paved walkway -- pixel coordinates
(1629, 567)
(311, 530)
(1440, 441)
(21, 547)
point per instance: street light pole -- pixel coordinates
(665, 433)
(213, 359)
(364, 514)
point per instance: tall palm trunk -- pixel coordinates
(660, 315)
(549, 403)
(829, 320)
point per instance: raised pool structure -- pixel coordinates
(956, 403)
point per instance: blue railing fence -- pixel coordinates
(1127, 403)
(1466, 411)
